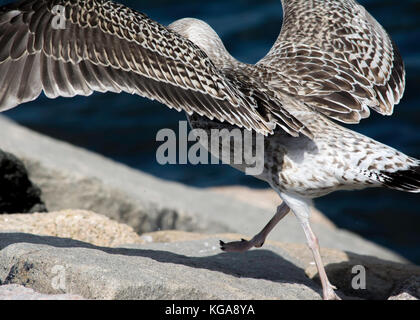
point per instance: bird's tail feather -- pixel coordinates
(404, 180)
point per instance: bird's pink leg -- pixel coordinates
(259, 239)
(301, 209)
(327, 288)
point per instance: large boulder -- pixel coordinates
(182, 265)
(194, 270)
(75, 224)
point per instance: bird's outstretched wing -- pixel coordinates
(103, 46)
(336, 56)
(270, 107)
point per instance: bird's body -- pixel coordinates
(332, 62)
(335, 158)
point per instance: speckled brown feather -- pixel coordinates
(336, 56)
(106, 46)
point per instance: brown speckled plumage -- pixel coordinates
(338, 57)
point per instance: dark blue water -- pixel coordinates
(124, 127)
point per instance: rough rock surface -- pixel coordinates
(403, 296)
(74, 178)
(383, 278)
(346, 269)
(75, 224)
(17, 193)
(193, 270)
(18, 292)
(182, 265)
(408, 290)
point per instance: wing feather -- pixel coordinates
(108, 47)
(334, 55)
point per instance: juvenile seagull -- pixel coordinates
(331, 61)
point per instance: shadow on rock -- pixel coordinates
(256, 264)
(17, 193)
(368, 277)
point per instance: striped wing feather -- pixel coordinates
(109, 47)
(336, 56)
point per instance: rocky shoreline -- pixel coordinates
(101, 239)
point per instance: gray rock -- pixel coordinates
(17, 192)
(181, 265)
(365, 277)
(72, 178)
(409, 290)
(18, 292)
(75, 224)
(403, 296)
(182, 270)
(381, 278)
